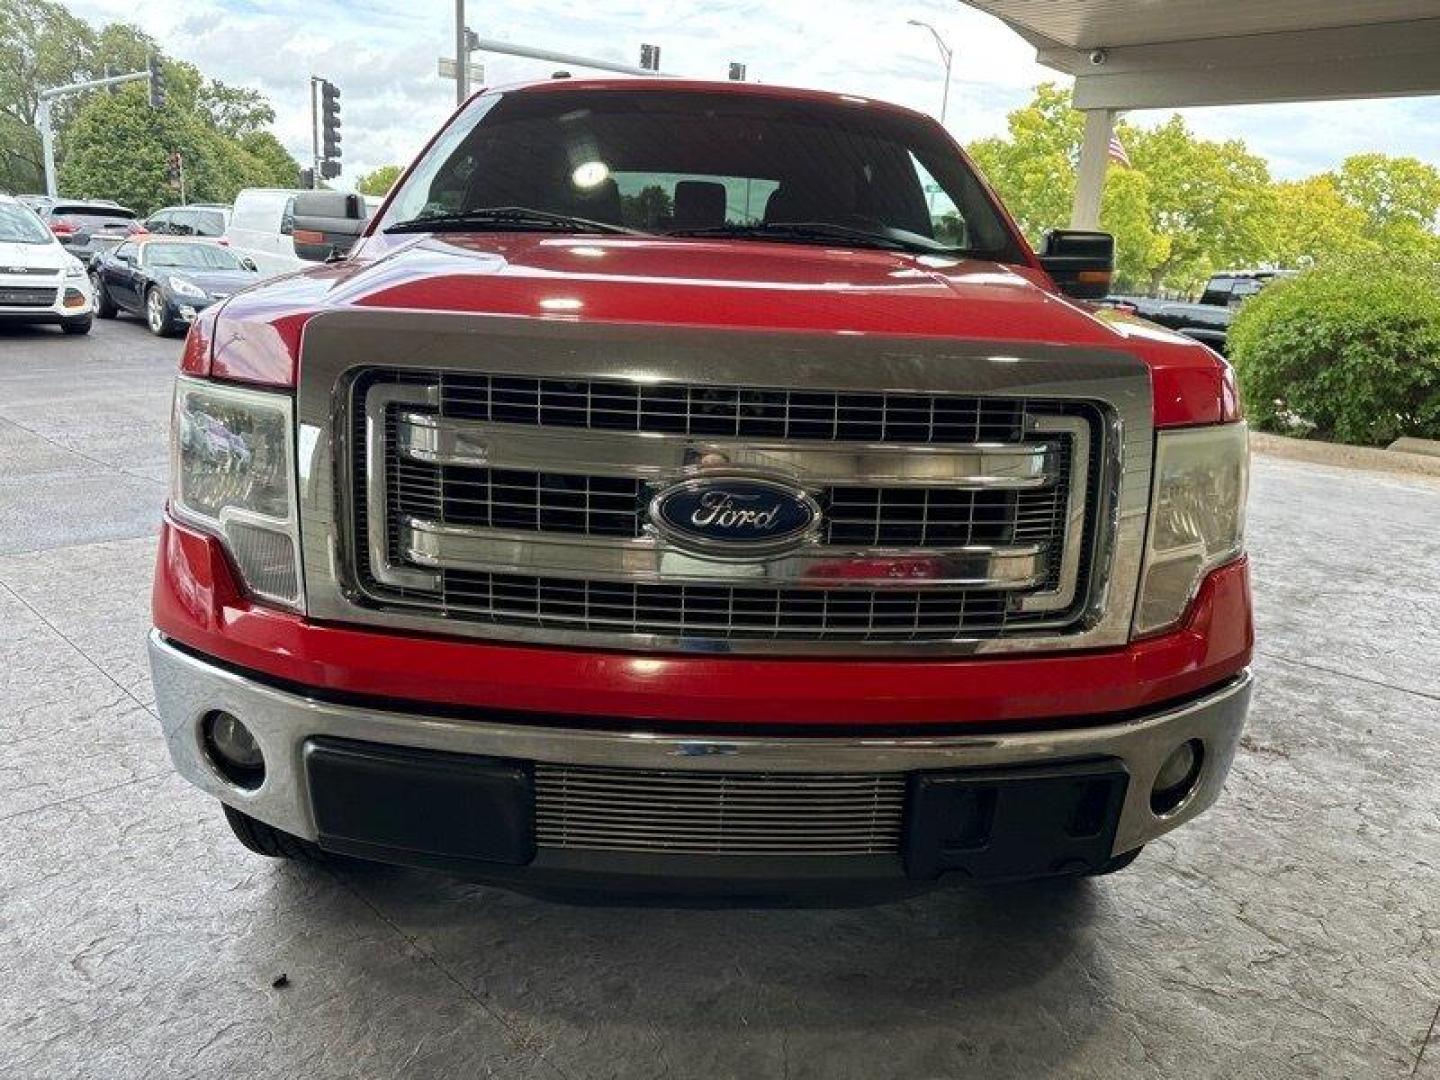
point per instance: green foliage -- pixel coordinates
(646, 209)
(41, 45)
(1187, 207)
(119, 145)
(1313, 221)
(221, 130)
(380, 181)
(1191, 206)
(1347, 351)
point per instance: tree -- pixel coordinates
(44, 46)
(119, 146)
(1187, 207)
(1034, 169)
(380, 181)
(1391, 190)
(1211, 200)
(1312, 221)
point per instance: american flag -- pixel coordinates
(1117, 152)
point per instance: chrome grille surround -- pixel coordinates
(1099, 571)
(718, 813)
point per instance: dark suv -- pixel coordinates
(86, 228)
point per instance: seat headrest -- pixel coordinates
(699, 204)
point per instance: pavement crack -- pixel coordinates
(1427, 695)
(1425, 1042)
(85, 795)
(106, 465)
(515, 1033)
(79, 651)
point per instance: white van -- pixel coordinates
(286, 229)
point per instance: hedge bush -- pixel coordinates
(1349, 351)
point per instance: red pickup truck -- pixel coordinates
(702, 486)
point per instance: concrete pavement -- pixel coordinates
(1292, 932)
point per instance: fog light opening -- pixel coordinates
(233, 750)
(1177, 777)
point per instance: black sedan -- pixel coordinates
(169, 282)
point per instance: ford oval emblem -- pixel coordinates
(737, 516)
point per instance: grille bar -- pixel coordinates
(718, 813)
(444, 440)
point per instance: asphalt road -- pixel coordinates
(1293, 931)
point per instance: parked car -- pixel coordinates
(285, 230)
(167, 282)
(40, 282)
(84, 228)
(205, 220)
(1209, 320)
(702, 485)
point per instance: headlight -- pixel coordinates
(233, 474)
(181, 287)
(75, 269)
(1197, 517)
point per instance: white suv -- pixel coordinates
(40, 282)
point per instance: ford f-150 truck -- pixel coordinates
(702, 486)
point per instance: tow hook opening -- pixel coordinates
(232, 749)
(1177, 777)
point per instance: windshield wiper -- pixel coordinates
(808, 231)
(505, 217)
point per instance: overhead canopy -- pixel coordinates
(1173, 53)
(1157, 54)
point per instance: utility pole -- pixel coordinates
(314, 137)
(462, 55)
(43, 116)
(947, 54)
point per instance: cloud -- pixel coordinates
(383, 53)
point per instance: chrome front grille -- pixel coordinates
(716, 813)
(477, 500)
(742, 412)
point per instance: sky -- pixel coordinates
(383, 55)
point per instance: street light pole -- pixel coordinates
(948, 55)
(462, 56)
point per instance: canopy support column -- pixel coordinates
(1094, 158)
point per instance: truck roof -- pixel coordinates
(660, 84)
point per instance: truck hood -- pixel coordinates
(710, 283)
(721, 284)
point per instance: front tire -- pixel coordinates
(104, 306)
(269, 841)
(157, 314)
(78, 325)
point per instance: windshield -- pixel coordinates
(19, 225)
(686, 162)
(191, 257)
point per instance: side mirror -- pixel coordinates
(327, 224)
(1081, 263)
(249, 264)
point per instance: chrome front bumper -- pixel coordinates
(187, 688)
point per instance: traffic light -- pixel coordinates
(307, 179)
(157, 83)
(650, 57)
(330, 123)
(737, 72)
(329, 169)
(172, 169)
